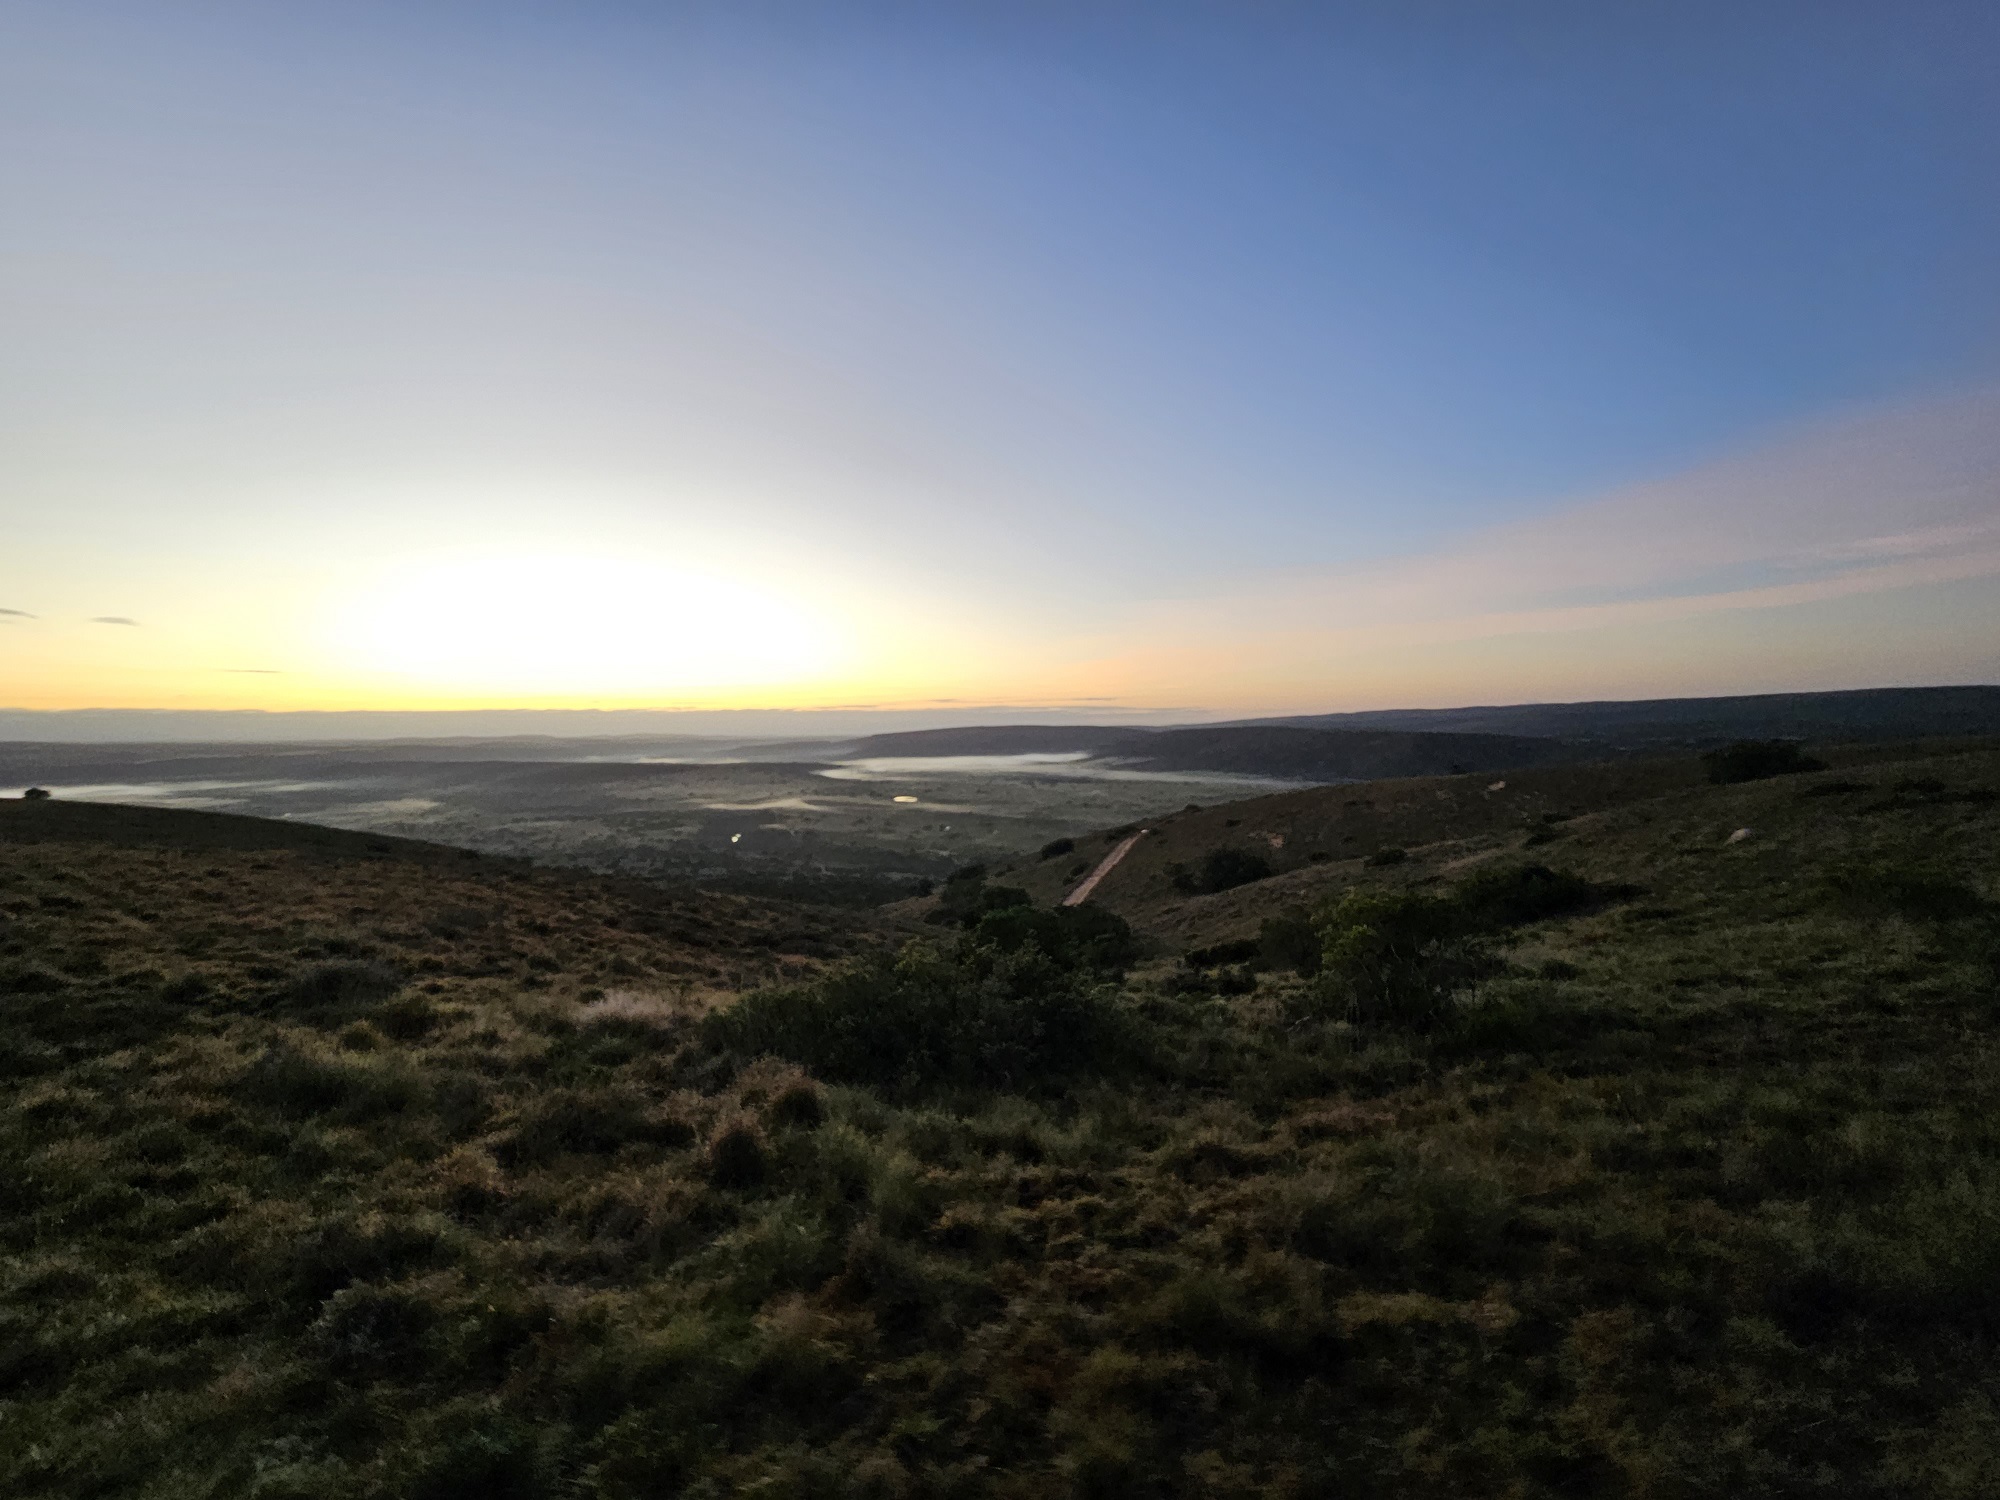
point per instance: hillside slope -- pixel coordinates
(338, 1173)
(1662, 723)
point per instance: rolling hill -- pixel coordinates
(342, 1166)
(1666, 723)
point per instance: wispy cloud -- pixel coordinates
(18, 614)
(1880, 502)
(252, 671)
(111, 620)
(1905, 498)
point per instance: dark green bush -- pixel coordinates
(1914, 894)
(576, 1122)
(1396, 957)
(1221, 980)
(406, 1018)
(737, 1157)
(1221, 870)
(184, 989)
(799, 1103)
(926, 1019)
(1242, 950)
(1289, 941)
(1383, 858)
(1075, 937)
(966, 897)
(339, 990)
(1754, 760)
(370, 1332)
(1058, 846)
(300, 1084)
(1527, 893)
(29, 979)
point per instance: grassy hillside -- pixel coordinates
(355, 1169)
(1856, 714)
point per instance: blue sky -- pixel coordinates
(973, 345)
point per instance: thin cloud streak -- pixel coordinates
(111, 620)
(1880, 502)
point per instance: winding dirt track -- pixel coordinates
(1104, 867)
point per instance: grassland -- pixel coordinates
(342, 1167)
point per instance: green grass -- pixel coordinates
(338, 1175)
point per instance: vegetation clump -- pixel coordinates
(1396, 957)
(1756, 760)
(1915, 894)
(1406, 957)
(1221, 870)
(998, 1009)
(1290, 941)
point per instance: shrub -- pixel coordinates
(1223, 980)
(1055, 847)
(1383, 858)
(29, 979)
(966, 897)
(1527, 893)
(925, 1019)
(1920, 897)
(337, 991)
(453, 922)
(566, 1121)
(1755, 760)
(1289, 941)
(1076, 937)
(184, 989)
(368, 1331)
(799, 1103)
(1397, 957)
(736, 1154)
(1242, 950)
(1221, 870)
(299, 1084)
(405, 1017)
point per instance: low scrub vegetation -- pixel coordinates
(1754, 760)
(982, 1015)
(1475, 1178)
(1221, 870)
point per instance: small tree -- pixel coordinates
(1397, 957)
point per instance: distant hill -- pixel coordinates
(993, 739)
(1659, 723)
(1282, 752)
(1308, 754)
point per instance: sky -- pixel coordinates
(1171, 360)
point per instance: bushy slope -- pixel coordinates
(323, 1183)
